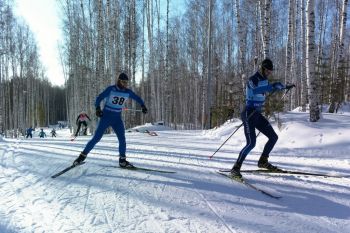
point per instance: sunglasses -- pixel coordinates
(124, 81)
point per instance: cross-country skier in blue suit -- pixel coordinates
(252, 118)
(115, 97)
(30, 132)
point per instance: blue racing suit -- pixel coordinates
(251, 115)
(29, 132)
(115, 99)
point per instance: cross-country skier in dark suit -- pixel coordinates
(252, 118)
(29, 132)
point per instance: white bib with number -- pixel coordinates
(116, 100)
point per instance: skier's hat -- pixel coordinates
(267, 64)
(123, 76)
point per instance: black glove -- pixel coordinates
(278, 86)
(144, 109)
(290, 86)
(99, 112)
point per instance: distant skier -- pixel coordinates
(29, 132)
(42, 134)
(115, 97)
(252, 118)
(81, 120)
(53, 133)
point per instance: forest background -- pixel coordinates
(191, 69)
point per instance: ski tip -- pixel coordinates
(224, 170)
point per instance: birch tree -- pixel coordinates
(302, 39)
(310, 61)
(338, 94)
(290, 46)
(265, 14)
(241, 43)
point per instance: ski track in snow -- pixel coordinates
(96, 197)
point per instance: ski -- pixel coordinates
(248, 184)
(281, 171)
(142, 169)
(66, 169)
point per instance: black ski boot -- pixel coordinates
(80, 159)
(124, 163)
(264, 163)
(236, 171)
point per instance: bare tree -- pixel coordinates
(265, 13)
(338, 93)
(310, 61)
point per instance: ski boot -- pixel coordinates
(124, 163)
(80, 159)
(264, 163)
(236, 171)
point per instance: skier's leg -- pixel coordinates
(119, 130)
(265, 128)
(85, 127)
(249, 132)
(79, 125)
(102, 126)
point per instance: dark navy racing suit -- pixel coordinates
(252, 118)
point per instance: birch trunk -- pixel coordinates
(149, 17)
(338, 95)
(310, 62)
(289, 50)
(304, 92)
(265, 14)
(241, 44)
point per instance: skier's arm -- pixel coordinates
(102, 96)
(276, 86)
(259, 90)
(136, 98)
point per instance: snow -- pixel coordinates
(97, 197)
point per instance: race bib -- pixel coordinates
(117, 100)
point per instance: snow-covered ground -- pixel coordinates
(97, 197)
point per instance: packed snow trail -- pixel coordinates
(97, 197)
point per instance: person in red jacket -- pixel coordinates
(81, 120)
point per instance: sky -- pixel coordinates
(42, 18)
(99, 197)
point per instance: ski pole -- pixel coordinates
(226, 140)
(251, 114)
(133, 110)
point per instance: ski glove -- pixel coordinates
(144, 109)
(290, 86)
(278, 86)
(99, 112)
